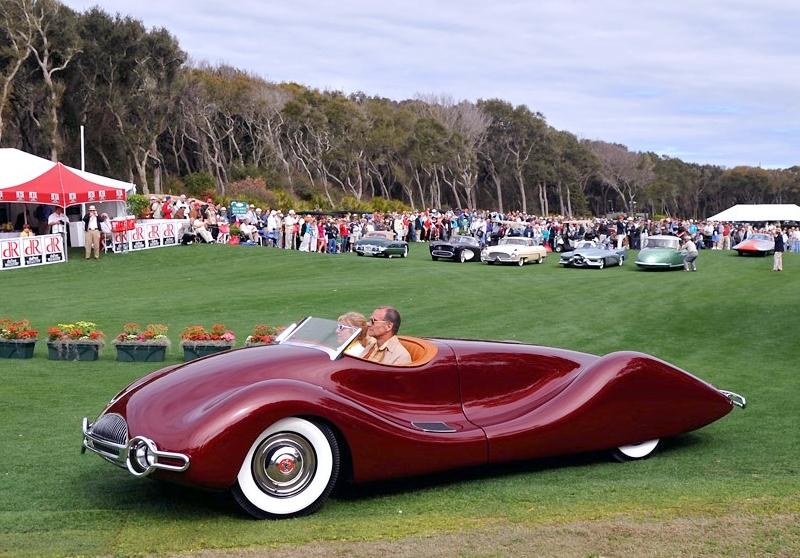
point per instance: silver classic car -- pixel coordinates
(514, 249)
(591, 254)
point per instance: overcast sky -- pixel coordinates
(709, 81)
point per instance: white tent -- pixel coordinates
(26, 178)
(759, 212)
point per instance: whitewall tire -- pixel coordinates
(634, 452)
(289, 470)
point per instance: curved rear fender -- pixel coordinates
(622, 398)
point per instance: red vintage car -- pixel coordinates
(278, 425)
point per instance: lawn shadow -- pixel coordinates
(160, 498)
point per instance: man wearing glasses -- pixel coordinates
(383, 325)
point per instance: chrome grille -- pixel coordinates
(499, 256)
(442, 253)
(111, 427)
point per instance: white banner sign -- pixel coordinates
(154, 233)
(30, 251)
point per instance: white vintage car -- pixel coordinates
(514, 249)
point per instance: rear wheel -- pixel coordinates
(635, 452)
(621, 261)
(289, 470)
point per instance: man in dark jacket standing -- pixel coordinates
(780, 247)
(91, 227)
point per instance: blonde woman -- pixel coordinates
(361, 345)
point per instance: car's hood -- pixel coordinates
(588, 253)
(755, 244)
(375, 241)
(655, 254)
(194, 386)
(506, 248)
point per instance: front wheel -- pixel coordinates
(405, 251)
(635, 452)
(521, 262)
(602, 264)
(289, 470)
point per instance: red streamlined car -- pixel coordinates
(757, 244)
(278, 425)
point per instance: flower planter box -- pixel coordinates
(138, 352)
(17, 349)
(191, 352)
(73, 351)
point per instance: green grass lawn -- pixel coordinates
(733, 323)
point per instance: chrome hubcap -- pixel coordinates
(284, 464)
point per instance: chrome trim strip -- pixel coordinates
(435, 427)
(735, 398)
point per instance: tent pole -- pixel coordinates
(83, 160)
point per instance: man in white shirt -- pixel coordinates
(288, 230)
(58, 222)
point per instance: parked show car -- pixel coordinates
(590, 254)
(514, 249)
(757, 244)
(662, 252)
(459, 248)
(278, 425)
(381, 243)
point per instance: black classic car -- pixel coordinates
(459, 248)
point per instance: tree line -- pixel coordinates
(167, 124)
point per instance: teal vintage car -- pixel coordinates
(381, 243)
(661, 252)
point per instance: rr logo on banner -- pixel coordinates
(32, 250)
(168, 234)
(54, 249)
(10, 254)
(137, 238)
(153, 236)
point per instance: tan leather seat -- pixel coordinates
(421, 350)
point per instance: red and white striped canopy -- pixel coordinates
(26, 178)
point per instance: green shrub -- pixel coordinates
(138, 205)
(197, 183)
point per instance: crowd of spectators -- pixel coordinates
(336, 233)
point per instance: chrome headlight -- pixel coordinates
(141, 456)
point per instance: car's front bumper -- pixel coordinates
(581, 262)
(370, 250)
(139, 455)
(501, 257)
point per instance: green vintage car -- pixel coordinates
(661, 252)
(381, 243)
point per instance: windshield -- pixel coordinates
(464, 240)
(759, 236)
(520, 241)
(663, 243)
(325, 335)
